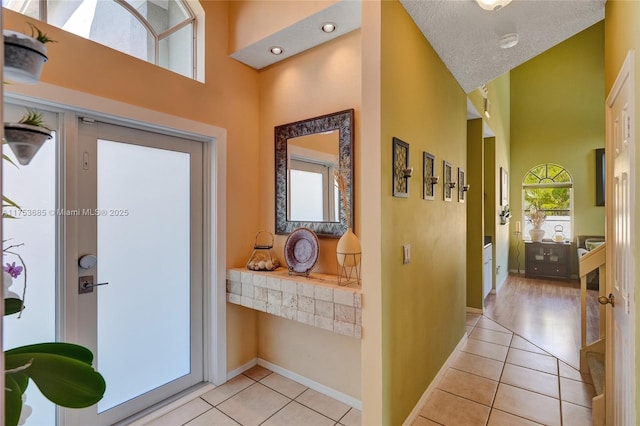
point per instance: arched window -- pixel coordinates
(549, 188)
(162, 32)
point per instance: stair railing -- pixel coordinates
(594, 259)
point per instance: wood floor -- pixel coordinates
(545, 312)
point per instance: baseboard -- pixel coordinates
(312, 384)
(244, 367)
(434, 383)
(471, 310)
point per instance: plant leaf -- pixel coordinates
(70, 350)
(62, 380)
(12, 306)
(7, 158)
(8, 202)
(21, 379)
(12, 400)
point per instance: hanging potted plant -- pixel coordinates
(27, 135)
(24, 56)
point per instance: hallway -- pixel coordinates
(500, 379)
(546, 313)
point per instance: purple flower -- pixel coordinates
(13, 270)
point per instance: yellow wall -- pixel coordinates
(475, 215)
(557, 116)
(499, 151)
(621, 34)
(495, 154)
(289, 92)
(228, 99)
(423, 302)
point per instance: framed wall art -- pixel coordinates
(429, 178)
(600, 169)
(504, 186)
(401, 169)
(447, 188)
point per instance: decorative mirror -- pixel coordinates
(308, 153)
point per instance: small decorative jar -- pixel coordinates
(558, 236)
(262, 258)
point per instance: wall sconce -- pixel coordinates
(433, 179)
(452, 185)
(407, 172)
(465, 188)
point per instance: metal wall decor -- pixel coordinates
(447, 188)
(401, 170)
(429, 176)
(462, 186)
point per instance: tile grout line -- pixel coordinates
(559, 391)
(495, 395)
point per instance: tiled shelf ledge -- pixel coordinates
(316, 301)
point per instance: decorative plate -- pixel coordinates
(301, 250)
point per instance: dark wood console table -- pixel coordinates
(547, 259)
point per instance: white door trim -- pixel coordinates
(72, 103)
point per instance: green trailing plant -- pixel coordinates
(33, 118)
(39, 35)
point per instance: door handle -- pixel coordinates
(604, 300)
(86, 285)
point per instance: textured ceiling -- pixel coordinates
(466, 36)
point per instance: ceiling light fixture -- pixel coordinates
(328, 27)
(276, 50)
(507, 41)
(493, 4)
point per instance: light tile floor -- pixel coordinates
(497, 379)
(261, 397)
(500, 379)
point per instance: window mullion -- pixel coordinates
(174, 29)
(139, 17)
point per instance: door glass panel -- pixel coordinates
(144, 254)
(33, 232)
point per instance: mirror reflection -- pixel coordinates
(312, 193)
(307, 154)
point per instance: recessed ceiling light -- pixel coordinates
(276, 50)
(328, 27)
(493, 4)
(507, 41)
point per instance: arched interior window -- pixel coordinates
(549, 188)
(162, 32)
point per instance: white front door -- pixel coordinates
(621, 234)
(139, 204)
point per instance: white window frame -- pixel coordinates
(550, 185)
(196, 18)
